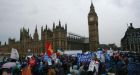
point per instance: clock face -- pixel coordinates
(91, 19)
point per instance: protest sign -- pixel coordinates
(85, 57)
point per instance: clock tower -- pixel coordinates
(93, 29)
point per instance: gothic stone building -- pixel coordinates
(25, 43)
(57, 36)
(131, 39)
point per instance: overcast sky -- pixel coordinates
(113, 16)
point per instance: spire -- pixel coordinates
(53, 25)
(91, 6)
(46, 26)
(66, 27)
(20, 31)
(23, 29)
(20, 34)
(42, 29)
(28, 31)
(59, 23)
(36, 34)
(36, 29)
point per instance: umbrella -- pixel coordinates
(9, 65)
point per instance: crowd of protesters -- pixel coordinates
(117, 63)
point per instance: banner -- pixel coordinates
(54, 56)
(49, 61)
(14, 54)
(85, 57)
(46, 58)
(99, 54)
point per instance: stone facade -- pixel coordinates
(131, 39)
(26, 42)
(57, 36)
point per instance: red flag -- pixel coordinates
(49, 48)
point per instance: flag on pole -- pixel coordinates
(49, 48)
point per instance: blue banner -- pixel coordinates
(85, 57)
(46, 58)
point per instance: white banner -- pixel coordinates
(14, 54)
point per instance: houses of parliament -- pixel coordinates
(58, 36)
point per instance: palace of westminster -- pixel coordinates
(58, 36)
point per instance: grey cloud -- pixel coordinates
(113, 16)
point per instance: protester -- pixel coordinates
(121, 67)
(51, 71)
(82, 64)
(131, 67)
(93, 67)
(74, 70)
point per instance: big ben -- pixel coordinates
(93, 29)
